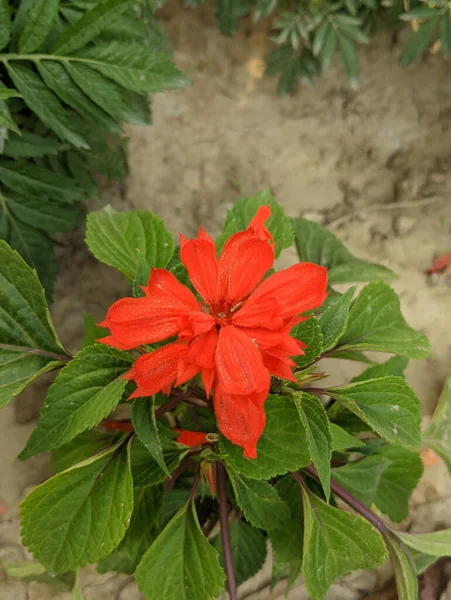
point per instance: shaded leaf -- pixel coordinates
(393, 366)
(146, 470)
(334, 319)
(5, 23)
(80, 448)
(308, 332)
(418, 42)
(363, 477)
(437, 434)
(404, 566)
(30, 145)
(92, 331)
(341, 439)
(145, 424)
(41, 17)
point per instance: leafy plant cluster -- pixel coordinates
(307, 34)
(71, 73)
(176, 516)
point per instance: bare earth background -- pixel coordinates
(325, 153)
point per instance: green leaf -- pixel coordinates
(27, 179)
(445, 33)
(84, 393)
(80, 448)
(142, 531)
(353, 355)
(145, 424)
(146, 470)
(334, 319)
(173, 501)
(41, 17)
(435, 544)
(334, 543)
(348, 58)
(6, 94)
(90, 25)
(308, 332)
(28, 571)
(259, 502)
(437, 434)
(317, 245)
(46, 105)
(58, 80)
(81, 515)
(6, 121)
(29, 345)
(5, 23)
(31, 145)
(33, 245)
(134, 66)
(418, 42)
(376, 323)
(342, 440)
(420, 12)
(242, 212)
(181, 564)
(398, 481)
(319, 439)
(121, 240)
(362, 478)
(248, 550)
(404, 566)
(393, 366)
(229, 13)
(92, 331)
(389, 406)
(281, 448)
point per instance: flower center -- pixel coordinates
(222, 311)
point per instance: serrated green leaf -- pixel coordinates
(248, 550)
(341, 439)
(31, 145)
(46, 105)
(376, 323)
(317, 245)
(404, 566)
(334, 543)
(242, 212)
(398, 481)
(41, 17)
(29, 345)
(437, 543)
(388, 405)
(259, 502)
(316, 423)
(145, 424)
(181, 564)
(79, 170)
(145, 468)
(5, 23)
(445, 33)
(35, 247)
(437, 433)
(418, 42)
(81, 515)
(6, 121)
(334, 319)
(281, 448)
(134, 66)
(58, 80)
(120, 240)
(393, 366)
(90, 25)
(142, 531)
(363, 477)
(173, 501)
(80, 448)
(308, 332)
(84, 393)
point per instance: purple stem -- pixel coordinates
(225, 530)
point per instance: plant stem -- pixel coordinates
(168, 406)
(225, 530)
(36, 351)
(354, 503)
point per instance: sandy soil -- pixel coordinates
(333, 154)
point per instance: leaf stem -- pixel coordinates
(36, 351)
(354, 503)
(225, 530)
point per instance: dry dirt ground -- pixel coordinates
(331, 153)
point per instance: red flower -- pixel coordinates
(191, 438)
(236, 336)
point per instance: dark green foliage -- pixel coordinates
(71, 72)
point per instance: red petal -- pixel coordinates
(300, 288)
(261, 216)
(278, 367)
(191, 438)
(186, 371)
(202, 350)
(239, 364)
(195, 323)
(164, 284)
(208, 377)
(156, 371)
(440, 264)
(114, 343)
(136, 321)
(241, 419)
(242, 265)
(199, 257)
(254, 314)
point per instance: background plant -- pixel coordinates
(128, 496)
(71, 73)
(307, 34)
